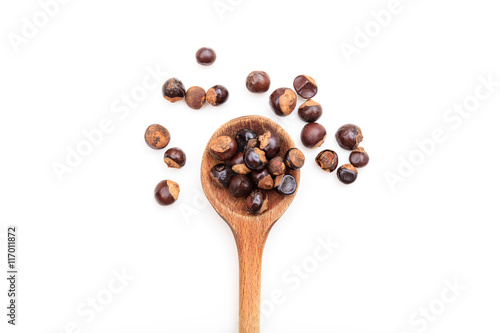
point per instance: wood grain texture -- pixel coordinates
(250, 231)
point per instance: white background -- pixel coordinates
(398, 247)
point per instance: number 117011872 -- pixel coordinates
(11, 248)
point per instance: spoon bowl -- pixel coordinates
(233, 210)
(250, 231)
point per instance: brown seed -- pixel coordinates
(221, 174)
(255, 159)
(240, 186)
(223, 148)
(205, 56)
(157, 136)
(305, 86)
(287, 185)
(347, 174)
(349, 136)
(359, 158)
(327, 160)
(195, 97)
(270, 143)
(276, 166)
(217, 95)
(242, 138)
(313, 135)
(167, 192)
(173, 90)
(257, 202)
(294, 158)
(283, 101)
(310, 111)
(258, 82)
(174, 158)
(262, 179)
(238, 164)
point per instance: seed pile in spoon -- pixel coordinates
(250, 166)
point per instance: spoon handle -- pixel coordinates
(250, 243)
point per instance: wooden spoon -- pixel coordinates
(250, 231)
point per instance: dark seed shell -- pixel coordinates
(287, 186)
